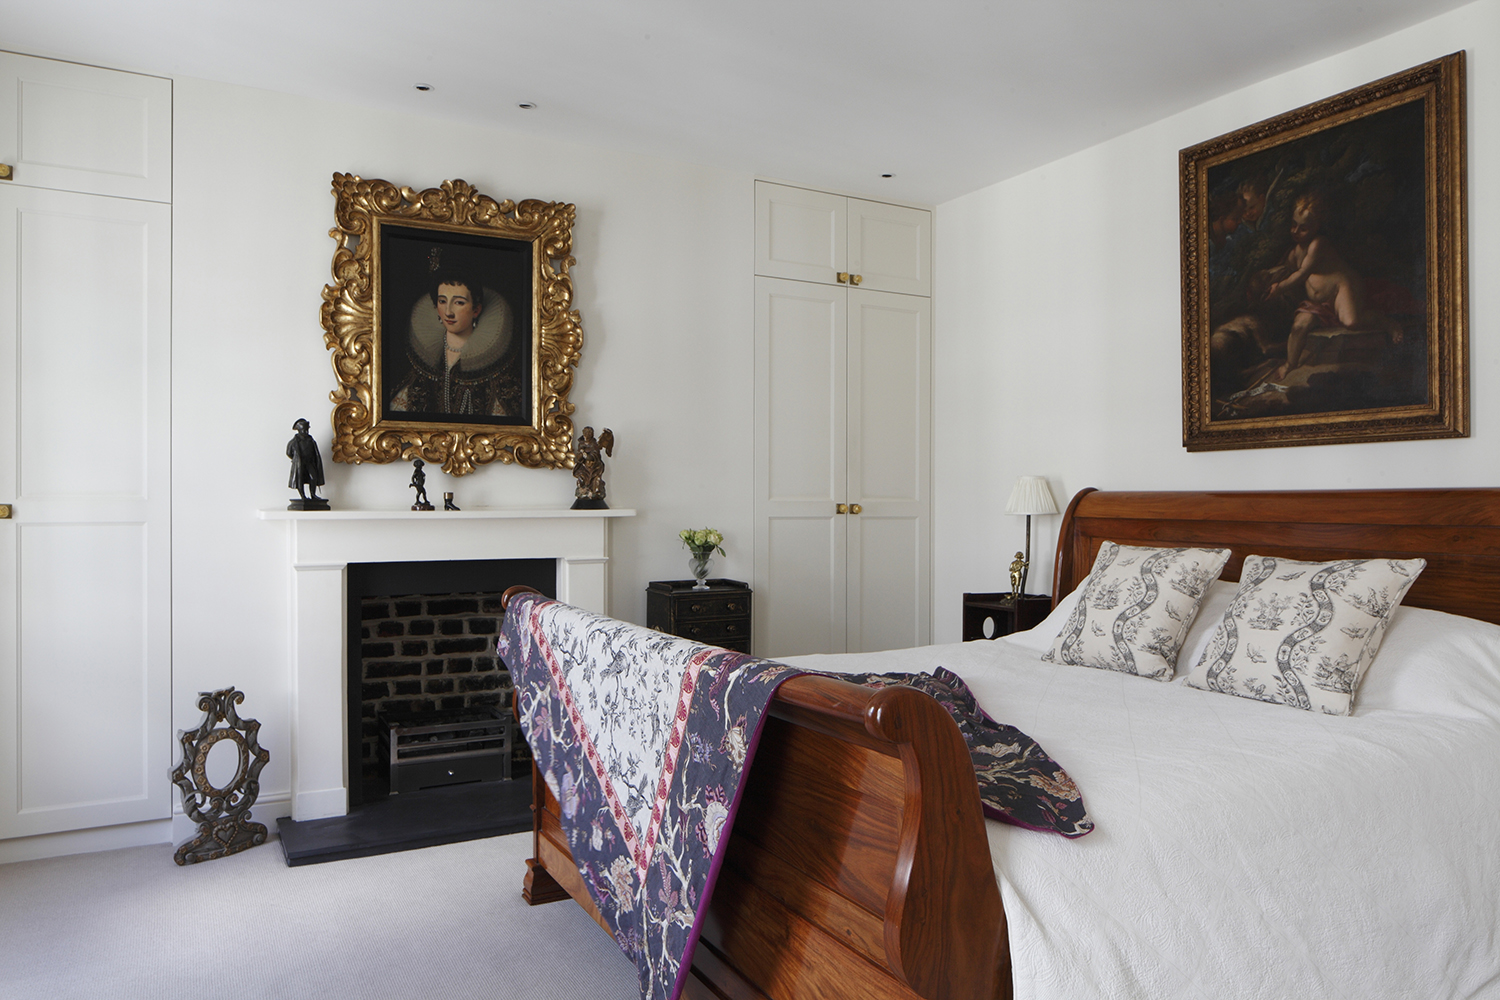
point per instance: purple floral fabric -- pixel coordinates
(1018, 782)
(644, 739)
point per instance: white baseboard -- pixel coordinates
(321, 804)
(102, 838)
(268, 809)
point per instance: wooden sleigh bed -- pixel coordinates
(859, 864)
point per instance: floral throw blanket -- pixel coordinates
(645, 739)
(1018, 782)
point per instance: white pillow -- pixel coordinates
(1435, 664)
(1137, 605)
(1039, 637)
(1302, 634)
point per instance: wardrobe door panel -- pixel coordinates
(801, 456)
(85, 559)
(890, 345)
(800, 234)
(889, 247)
(69, 127)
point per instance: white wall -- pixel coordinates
(663, 281)
(1058, 345)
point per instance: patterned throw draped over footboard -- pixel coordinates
(644, 739)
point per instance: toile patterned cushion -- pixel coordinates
(1304, 633)
(1136, 606)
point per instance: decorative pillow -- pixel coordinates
(1303, 633)
(1136, 606)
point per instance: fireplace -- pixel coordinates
(322, 545)
(421, 656)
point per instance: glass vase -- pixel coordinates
(700, 564)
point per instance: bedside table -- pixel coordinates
(1005, 614)
(718, 616)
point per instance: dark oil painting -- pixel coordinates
(1317, 278)
(456, 317)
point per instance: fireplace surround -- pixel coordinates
(320, 547)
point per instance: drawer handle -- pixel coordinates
(698, 609)
(732, 627)
(732, 606)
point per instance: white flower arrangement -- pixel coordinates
(702, 541)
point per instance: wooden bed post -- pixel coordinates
(540, 887)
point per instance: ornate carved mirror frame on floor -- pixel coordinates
(221, 812)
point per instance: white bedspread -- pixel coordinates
(1252, 850)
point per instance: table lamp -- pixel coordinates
(1031, 496)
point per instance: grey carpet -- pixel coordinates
(443, 922)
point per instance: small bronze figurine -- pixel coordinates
(448, 503)
(1017, 575)
(419, 483)
(588, 469)
(307, 468)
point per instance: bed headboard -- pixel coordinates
(1456, 531)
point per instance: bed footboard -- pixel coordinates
(858, 864)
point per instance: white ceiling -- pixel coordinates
(949, 95)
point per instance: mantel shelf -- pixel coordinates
(477, 513)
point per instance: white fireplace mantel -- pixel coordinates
(321, 545)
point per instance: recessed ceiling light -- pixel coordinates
(526, 106)
(423, 87)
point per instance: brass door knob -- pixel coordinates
(855, 279)
(7, 172)
(855, 508)
(842, 508)
(843, 277)
(4, 511)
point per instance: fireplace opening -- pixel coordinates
(434, 754)
(430, 704)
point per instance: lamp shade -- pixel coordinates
(1031, 496)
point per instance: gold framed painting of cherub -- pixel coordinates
(1324, 279)
(450, 327)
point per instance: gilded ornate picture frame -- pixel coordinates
(450, 327)
(1324, 274)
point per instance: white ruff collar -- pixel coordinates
(486, 344)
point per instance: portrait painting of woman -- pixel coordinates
(454, 343)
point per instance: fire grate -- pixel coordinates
(429, 749)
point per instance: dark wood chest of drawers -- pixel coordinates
(718, 616)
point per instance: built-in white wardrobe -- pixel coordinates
(85, 452)
(843, 436)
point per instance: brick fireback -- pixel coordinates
(428, 652)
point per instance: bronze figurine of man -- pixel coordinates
(307, 468)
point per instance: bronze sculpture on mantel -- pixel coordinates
(419, 483)
(588, 469)
(307, 468)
